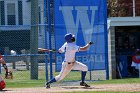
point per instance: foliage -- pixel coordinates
(119, 8)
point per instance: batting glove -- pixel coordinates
(90, 43)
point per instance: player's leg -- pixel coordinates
(66, 68)
(54, 79)
(49, 82)
(64, 72)
(83, 68)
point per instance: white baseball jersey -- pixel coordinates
(69, 62)
(70, 49)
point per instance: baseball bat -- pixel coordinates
(46, 50)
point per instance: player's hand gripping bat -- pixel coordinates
(90, 43)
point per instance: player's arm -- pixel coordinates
(62, 49)
(2, 61)
(84, 48)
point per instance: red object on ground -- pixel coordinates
(2, 85)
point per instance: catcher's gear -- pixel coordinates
(5, 67)
(2, 85)
(0, 56)
(9, 75)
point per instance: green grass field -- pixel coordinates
(41, 82)
(22, 80)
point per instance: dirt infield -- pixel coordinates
(60, 89)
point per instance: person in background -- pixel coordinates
(2, 82)
(136, 62)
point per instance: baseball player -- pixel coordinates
(2, 82)
(136, 63)
(69, 63)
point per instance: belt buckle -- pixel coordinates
(70, 62)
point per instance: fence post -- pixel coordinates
(49, 30)
(34, 38)
(45, 31)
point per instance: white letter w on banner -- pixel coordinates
(82, 18)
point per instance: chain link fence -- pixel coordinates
(15, 46)
(16, 43)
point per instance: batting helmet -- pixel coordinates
(69, 38)
(2, 84)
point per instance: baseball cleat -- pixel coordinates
(84, 84)
(47, 85)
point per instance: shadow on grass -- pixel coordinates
(78, 87)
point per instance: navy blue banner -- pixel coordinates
(86, 19)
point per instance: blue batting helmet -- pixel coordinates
(69, 38)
